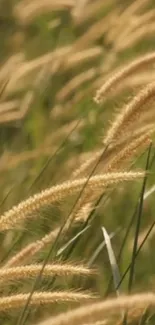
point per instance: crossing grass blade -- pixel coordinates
(112, 259)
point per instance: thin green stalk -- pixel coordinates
(137, 253)
(139, 216)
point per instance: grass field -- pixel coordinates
(77, 122)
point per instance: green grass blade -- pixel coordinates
(112, 259)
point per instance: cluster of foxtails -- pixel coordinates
(129, 133)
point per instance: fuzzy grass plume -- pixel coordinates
(66, 171)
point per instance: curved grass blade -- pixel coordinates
(100, 247)
(112, 260)
(63, 248)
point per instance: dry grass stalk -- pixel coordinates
(30, 250)
(8, 106)
(64, 56)
(84, 212)
(82, 56)
(10, 66)
(10, 117)
(136, 36)
(42, 298)
(115, 161)
(135, 7)
(134, 316)
(125, 72)
(89, 197)
(103, 322)
(32, 270)
(144, 122)
(79, 7)
(66, 129)
(118, 158)
(134, 83)
(133, 134)
(123, 156)
(77, 97)
(87, 164)
(145, 18)
(101, 310)
(114, 149)
(16, 115)
(25, 11)
(97, 30)
(26, 208)
(9, 161)
(125, 16)
(137, 22)
(30, 66)
(92, 9)
(130, 132)
(129, 114)
(74, 83)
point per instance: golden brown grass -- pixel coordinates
(30, 250)
(131, 68)
(129, 114)
(99, 311)
(26, 10)
(42, 298)
(32, 270)
(58, 192)
(61, 158)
